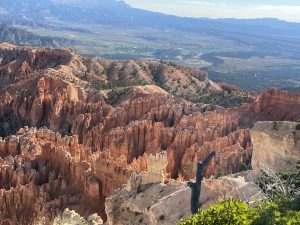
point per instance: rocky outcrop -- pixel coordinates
(72, 218)
(159, 203)
(276, 145)
(18, 63)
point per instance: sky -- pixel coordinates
(282, 9)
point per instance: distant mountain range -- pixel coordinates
(18, 36)
(111, 12)
(244, 52)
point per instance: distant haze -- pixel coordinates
(282, 9)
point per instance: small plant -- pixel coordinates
(228, 212)
(275, 125)
(188, 169)
(220, 172)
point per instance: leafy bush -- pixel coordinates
(234, 212)
(281, 205)
(225, 212)
(281, 212)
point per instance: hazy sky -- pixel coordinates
(282, 9)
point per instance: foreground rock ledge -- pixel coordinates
(158, 203)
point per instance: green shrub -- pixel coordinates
(275, 125)
(220, 172)
(188, 169)
(228, 212)
(281, 212)
(233, 212)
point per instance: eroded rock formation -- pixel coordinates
(87, 142)
(42, 172)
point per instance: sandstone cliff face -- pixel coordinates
(86, 146)
(271, 105)
(276, 145)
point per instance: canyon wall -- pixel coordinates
(84, 145)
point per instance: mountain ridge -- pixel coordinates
(90, 73)
(113, 31)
